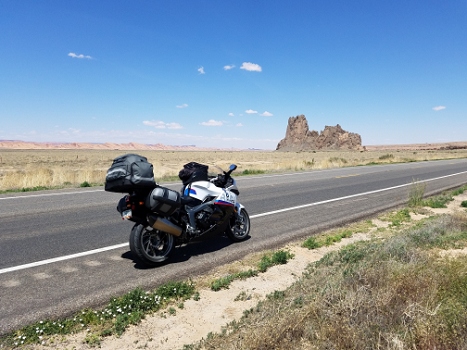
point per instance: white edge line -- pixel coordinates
(50, 194)
(117, 246)
(61, 258)
(351, 196)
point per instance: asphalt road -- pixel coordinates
(61, 251)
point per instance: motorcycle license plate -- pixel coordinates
(126, 215)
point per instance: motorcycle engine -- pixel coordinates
(208, 217)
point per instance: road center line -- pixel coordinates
(117, 246)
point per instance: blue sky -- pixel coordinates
(230, 73)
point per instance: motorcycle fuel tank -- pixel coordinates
(202, 189)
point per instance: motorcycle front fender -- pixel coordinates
(239, 207)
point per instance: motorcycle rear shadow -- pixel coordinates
(200, 246)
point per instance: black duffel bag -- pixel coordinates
(128, 173)
(192, 172)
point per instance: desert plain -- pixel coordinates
(58, 168)
(29, 166)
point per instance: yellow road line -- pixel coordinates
(340, 177)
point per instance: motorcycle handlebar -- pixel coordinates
(223, 180)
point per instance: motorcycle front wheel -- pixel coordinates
(239, 228)
(151, 246)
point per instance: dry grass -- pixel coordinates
(29, 169)
(396, 293)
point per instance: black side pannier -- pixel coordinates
(128, 173)
(192, 172)
(163, 201)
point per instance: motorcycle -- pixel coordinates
(165, 218)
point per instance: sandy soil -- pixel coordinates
(214, 310)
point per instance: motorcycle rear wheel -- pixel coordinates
(239, 228)
(151, 246)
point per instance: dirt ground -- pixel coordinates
(214, 310)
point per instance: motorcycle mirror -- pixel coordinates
(232, 167)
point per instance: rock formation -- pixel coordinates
(299, 138)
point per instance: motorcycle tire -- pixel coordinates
(151, 246)
(239, 228)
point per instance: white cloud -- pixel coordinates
(231, 115)
(158, 124)
(201, 70)
(229, 67)
(182, 106)
(70, 132)
(250, 111)
(80, 56)
(212, 122)
(252, 67)
(439, 108)
(266, 114)
(174, 126)
(239, 124)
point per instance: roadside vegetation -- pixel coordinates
(129, 309)
(403, 288)
(35, 170)
(268, 260)
(120, 312)
(406, 288)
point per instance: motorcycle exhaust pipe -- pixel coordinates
(164, 225)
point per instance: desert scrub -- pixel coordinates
(327, 240)
(224, 282)
(368, 295)
(120, 312)
(308, 163)
(69, 168)
(439, 201)
(459, 191)
(338, 160)
(252, 172)
(279, 257)
(416, 194)
(387, 156)
(417, 191)
(397, 218)
(267, 260)
(336, 235)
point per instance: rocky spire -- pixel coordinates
(299, 138)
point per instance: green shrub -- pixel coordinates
(397, 218)
(114, 319)
(224, 282)
(379, 294)
(417, 191)
(326, 240)
(338, 160)
(277, 258)
(311, 243)
(439, 201)
(252, 172)
(387, 156)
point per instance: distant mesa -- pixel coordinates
(299, 138)
(131, 146)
